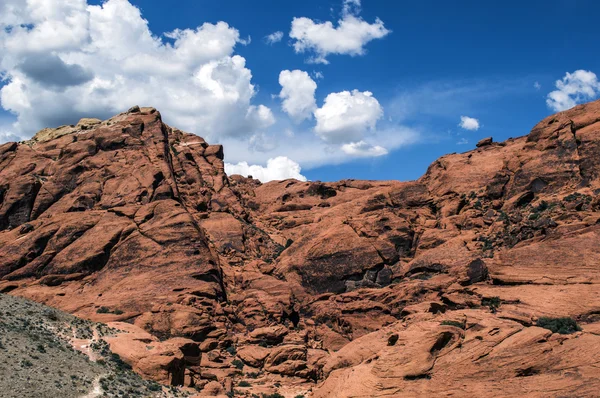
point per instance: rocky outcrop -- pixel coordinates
(351, 288)
(162, 361)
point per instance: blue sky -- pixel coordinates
(435, 61)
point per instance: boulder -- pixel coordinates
(484, 142)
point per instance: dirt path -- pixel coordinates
(96, 389)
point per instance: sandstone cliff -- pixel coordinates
(433, 287)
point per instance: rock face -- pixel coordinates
(484, 142)
(354, 288)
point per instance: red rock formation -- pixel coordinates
(353, 288)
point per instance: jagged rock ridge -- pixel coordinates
(403, 288)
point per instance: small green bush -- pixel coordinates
(563, 325)
(121, 365)
(231, 349)
(103, 310)
(492, 302)
(154, 387)
(543, 205)
(244, 383)
(238, 364)
(117, 312)
(51, 315)
(457, 324)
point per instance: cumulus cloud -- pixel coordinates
(6, 135)
(66, 59)
(363, 149)
(50, 70)
(346, 116)
(537, 86)
(274, 37)
(279, 168)
(349, 37)
(469, 123)
(42, 26)
(297, 94)
(301, 146)
(572, 89)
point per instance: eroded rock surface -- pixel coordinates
(353, 288)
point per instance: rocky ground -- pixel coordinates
(47, 353)
(480, 278)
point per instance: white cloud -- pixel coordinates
(349, 37)
(298, 94)
(537, 85)
(573, 89)
(318, 75)
(262, 142)
(274, 37)
(363, 149)
(469, 123)
(303, 148)
(66, 59)
(6, 135)
(351, 7)
(42, 25)
(462, 141)
(279, 168)
(346, 116)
